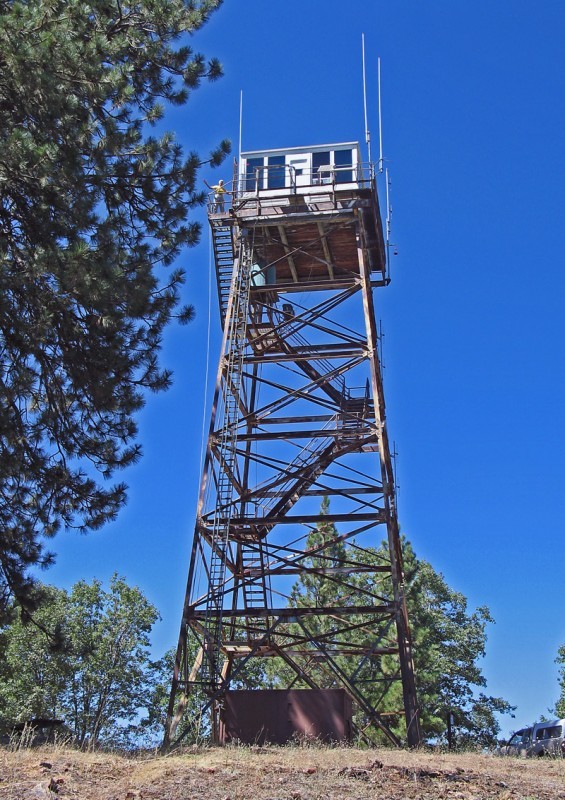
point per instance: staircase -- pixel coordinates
(254, 588)
(224, 256)
(315, 368)
(353, 418)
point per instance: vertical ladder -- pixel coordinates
(227, 457)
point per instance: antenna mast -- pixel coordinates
(380, 117)
(388, 221)
(367, 132)
(240, 121)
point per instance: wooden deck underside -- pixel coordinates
(308, 251)
(303, 243)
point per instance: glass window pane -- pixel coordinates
(343, 158)
(276, 172)
(321, 160)
(251, 173)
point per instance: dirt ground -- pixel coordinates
(271, 773)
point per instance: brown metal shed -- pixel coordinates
(280, 715)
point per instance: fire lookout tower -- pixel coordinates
(298, 416)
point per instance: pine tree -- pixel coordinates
(99, 679)
(560, 660)
(327, 552)
(448, 639)
(92, 208)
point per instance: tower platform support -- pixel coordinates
(295, 576)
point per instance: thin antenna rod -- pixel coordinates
(367, 133)
(380, 118)
(388, 219)
(388, 208)
(240, 121)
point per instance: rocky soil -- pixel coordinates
(271, 773)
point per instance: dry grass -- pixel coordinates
(271, 773)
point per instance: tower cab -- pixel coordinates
(314, 212)
(301, 170)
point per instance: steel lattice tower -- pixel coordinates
(298, 415)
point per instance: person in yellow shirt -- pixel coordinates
(220, 192)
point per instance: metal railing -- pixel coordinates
(279, 177)
(287, 178)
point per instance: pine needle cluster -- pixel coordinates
(93, 208)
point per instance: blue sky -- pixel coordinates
(474, 114)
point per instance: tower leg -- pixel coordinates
(413, 733)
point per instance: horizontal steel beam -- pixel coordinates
(324, 284)
(239, 650)
(274, 356)
(288, 519)
(289, 614)
(327, 490)
(366, 434)
(300, 570)
(345, 215)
